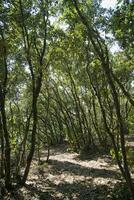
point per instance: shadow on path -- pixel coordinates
(66, 191)
(59, 167)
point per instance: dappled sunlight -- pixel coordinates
(67, 177)
(97, 162)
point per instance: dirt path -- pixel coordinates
(69, 177)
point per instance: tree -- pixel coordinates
(102, 52)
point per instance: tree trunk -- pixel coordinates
(7, 142)
(2, 150)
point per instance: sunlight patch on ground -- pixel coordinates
(98, 163)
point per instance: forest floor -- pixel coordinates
(69, 176)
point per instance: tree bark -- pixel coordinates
(3, 87)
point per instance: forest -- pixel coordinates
(66, 100)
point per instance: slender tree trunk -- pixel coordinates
(2, 149)
(36, 78)
(33, 139)
(3, 88)
(23, 147)
(7, 143)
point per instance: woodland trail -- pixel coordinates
(68, 176)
